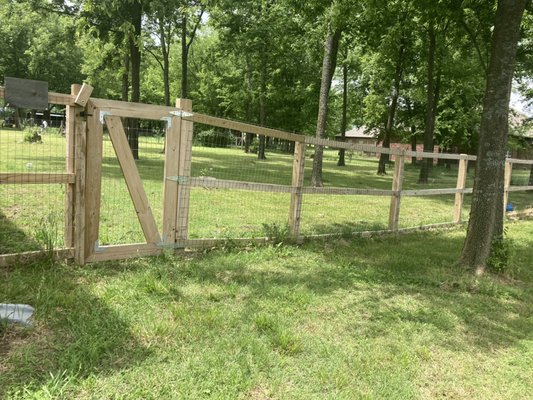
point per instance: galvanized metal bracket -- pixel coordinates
(168, 120)
(103, 114)
(182, 113)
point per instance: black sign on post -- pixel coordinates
(26, 93)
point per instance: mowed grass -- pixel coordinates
(29, 212)
(382, 318)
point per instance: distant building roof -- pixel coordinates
(359, 133)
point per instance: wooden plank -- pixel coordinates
(459, 196)
(133, 179)
(7, 260)
(203, 243)
(185, 161)
(442, 156)
(212, 183)
(298, 167)
(83, 95)
(506, 183)
(170, 199)
(79, 198)
(70, 138)
(36, 178)
(134, 110)
(121, 252)
(242, 127)
(397, 182)
(519, 161)
(346, 191)
(311, 140)
(519, 188)
(93, 179)
(434, 192)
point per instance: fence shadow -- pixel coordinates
(447, 298)
(13, 239)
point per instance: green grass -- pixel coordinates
(218, 213)
(383, 318)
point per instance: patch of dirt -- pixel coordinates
(259, 393)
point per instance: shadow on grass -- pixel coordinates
(75, 334)
(400, 284)
(13, 239)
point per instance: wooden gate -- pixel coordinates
(178, 147)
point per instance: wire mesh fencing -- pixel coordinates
(32, 203)
(118, 218)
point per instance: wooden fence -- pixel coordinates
(86, 117)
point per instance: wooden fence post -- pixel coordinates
(79, 217)
(461, 182)
(507, 182)
(184, 172)
(397, 182)
(297, 184)
(93, 179)
(170, 199)
(70, 137)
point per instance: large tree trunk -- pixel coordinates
(341, 162)
(485, 226)
(331, 47)
(126, 78)
(384, 158)
(431, 108)
(135, 60)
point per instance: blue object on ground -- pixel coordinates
(16, 313)
(509, 207)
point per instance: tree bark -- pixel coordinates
(331, 47)
(135, 60)
(485, 225)
(126, 78)
(184, 57)
(413, 144)
(427, 163)
(384, 158)
(262, 107)
(341, 162)
(166, 62)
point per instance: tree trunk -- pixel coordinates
(427, 163)
(166, 62)
(485, 226)
(384, 158)
(413, 144)
(135, 59)
(341, 162)
(331, 47)
(530, 183)
(184, 57)
(126, 78)
(262, 107)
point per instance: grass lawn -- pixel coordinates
(33, 214)
(383, 318)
